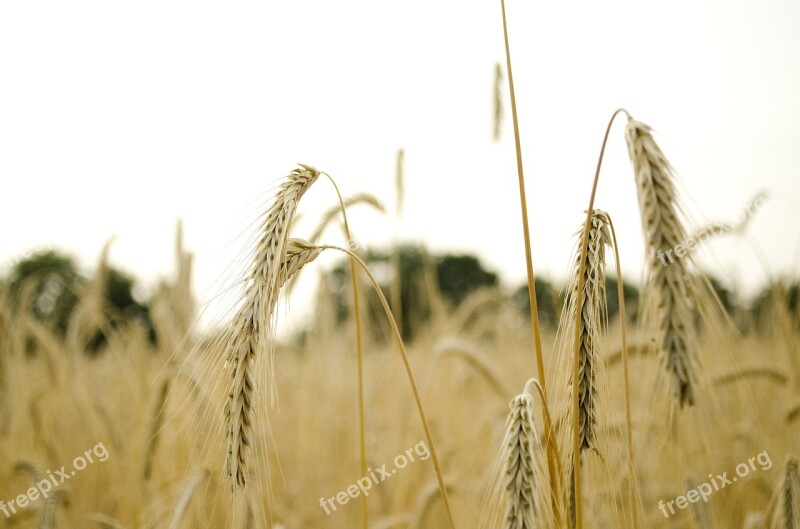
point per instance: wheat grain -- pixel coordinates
(663, 230)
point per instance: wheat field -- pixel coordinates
(396, 405)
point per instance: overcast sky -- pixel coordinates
(116, 118)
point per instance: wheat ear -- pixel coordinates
(789, 497)
(590, 318)
(523, 470)
(663, 231)
(276, 259)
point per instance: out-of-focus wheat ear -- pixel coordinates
(89, 319)
(701, 514)
(668, 278)
(396, 286)
(181, 293)
(186, 497)
(755, 520)
(156, 422)
(51, 504)
(526, 493)
(590, 318)
(498, 101)
(790, 502)
(104, 521)
(331, 214)
(247, 339)
(400, 181)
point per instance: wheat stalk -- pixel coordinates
(274, 261)
(663, 230)
(156, 422)
(537, 336)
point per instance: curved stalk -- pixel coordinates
(429, 438)
(362, 443)
(626, 379)
(576, 453)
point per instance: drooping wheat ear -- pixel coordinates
(663, 231)
(790, 498)
(274, 260)
(244, 346)
(523, 471)
(590, 318)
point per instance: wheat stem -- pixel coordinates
(409, 373)
(576, 453)
(362, 443)
(528, 259)
(626, 379)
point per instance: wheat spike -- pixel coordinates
(664, 231)
(243, 349)
(590, 319)
(523, 470)
(275, 259)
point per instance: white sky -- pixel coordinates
(117, 118)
